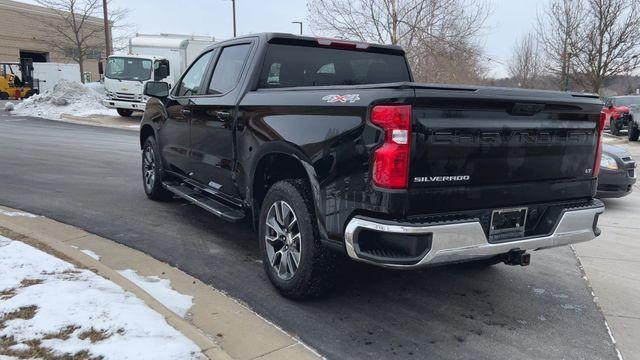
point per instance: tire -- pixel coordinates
(290, 202)
(125, 112)
(30, 93)
(634, 132)
(152, 172)
(4, 95)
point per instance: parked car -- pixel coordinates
(330, 149)
(616, 110)
(617, 173)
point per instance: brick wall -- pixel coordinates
(22, 28)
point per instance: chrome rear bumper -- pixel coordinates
(466, 240)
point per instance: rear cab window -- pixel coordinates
(296, 65)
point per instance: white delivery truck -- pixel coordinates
(48, 75)
(151, 58)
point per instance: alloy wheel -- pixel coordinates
(149, 167)
(283, 240)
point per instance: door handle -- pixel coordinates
(223, 115)
(186, 112)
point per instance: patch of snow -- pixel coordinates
(91, 254)
(161, 290)
(67, 97)
(68, 296)
(96, 86)
(8, 106)
(17, 213)
(539, 291)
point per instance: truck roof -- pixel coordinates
(169, 41)
(286, 38)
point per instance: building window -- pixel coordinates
(90, 53)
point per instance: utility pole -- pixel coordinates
(300, 23)
(233, 4)
(107, 29)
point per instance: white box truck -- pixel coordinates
(151, 58)
(49, 74)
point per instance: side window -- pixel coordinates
(190, 84)
(228, 68)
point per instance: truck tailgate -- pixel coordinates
(492, 147)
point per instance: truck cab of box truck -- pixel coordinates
(151, 58)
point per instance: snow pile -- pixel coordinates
(8, 106)
(99, 87)
(67, 97)
(161, 290)
(66, 310)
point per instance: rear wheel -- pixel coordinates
(3, 95)
(634, 132)
(152, 172)
(293, 258)
(125, 112)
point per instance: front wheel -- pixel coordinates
(125, 112)
(294, 260)
(152, 172)
(634, 132)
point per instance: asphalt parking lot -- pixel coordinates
(89, 177)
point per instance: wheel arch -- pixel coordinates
(145, 131)
(279, 161)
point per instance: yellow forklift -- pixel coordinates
(16, 80)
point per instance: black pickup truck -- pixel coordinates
(328, 147)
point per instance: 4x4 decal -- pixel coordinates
(342, 98)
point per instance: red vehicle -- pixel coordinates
(617, 110)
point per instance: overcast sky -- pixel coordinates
(509, 20)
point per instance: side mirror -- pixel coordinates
(100, 68)
(162, 71)
(156, 89)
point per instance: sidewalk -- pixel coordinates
(611, 264)
(222, 327)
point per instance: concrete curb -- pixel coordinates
(221, 326)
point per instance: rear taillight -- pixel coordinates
(596, 165)
(391, 160)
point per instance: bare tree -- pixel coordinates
(557, 28)
(438, 35)
(121, 30)
(74, 31)
(525, 65)
(607, 43)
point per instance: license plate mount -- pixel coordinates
(508, 223)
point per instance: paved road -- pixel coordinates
(89, 177)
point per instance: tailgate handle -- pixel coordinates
(522, 109)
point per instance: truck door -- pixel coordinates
(213, 121)
(175, 135)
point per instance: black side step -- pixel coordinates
(211, 205)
